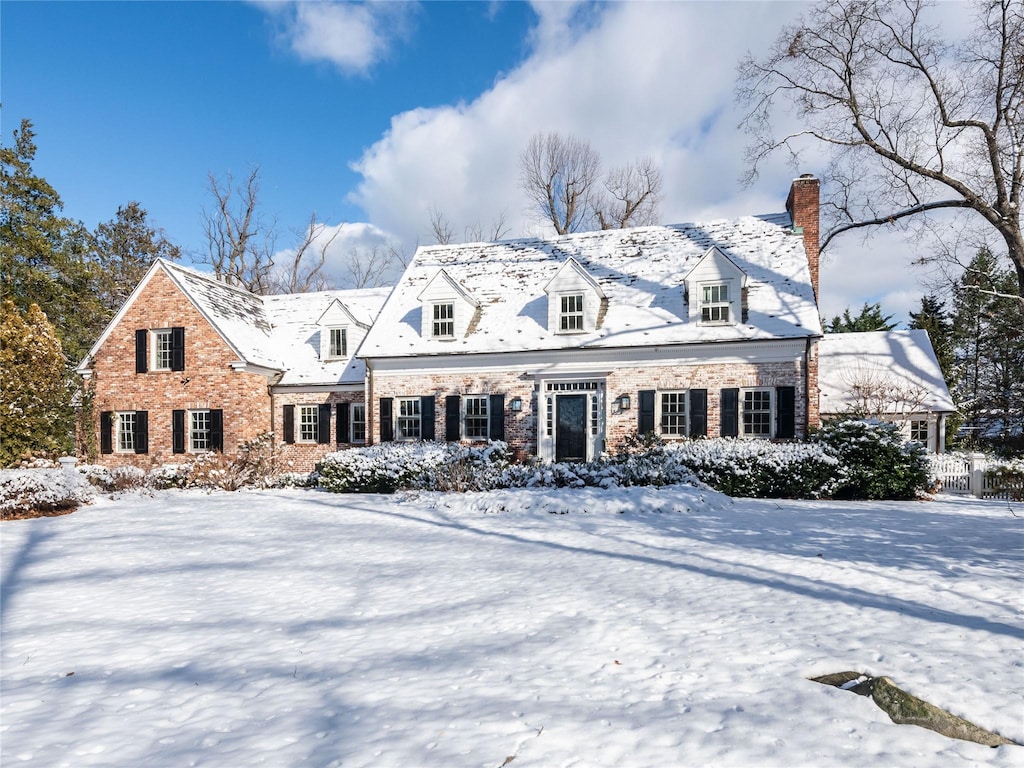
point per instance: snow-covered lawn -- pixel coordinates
(642, 627)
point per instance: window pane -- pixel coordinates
(444, 320)
(571, 318)
(475, 418)
(162, 350)
(407, 425)
(673, 413)
(126, 431)
(358, 423)
(308, 423)
(200, 431)
(757, 413)
(339, 342)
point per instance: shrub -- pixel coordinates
(877, 462)
(116, 478)
(33, 492)
(1006, 478)
(759, 468)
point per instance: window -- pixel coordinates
(338, 342)
(757, 413)
(126, 424)
(309, 423)
(919, 430)
(714, 304)
(444, 321)
(408, 423)
(358, 424)
(571, 316)
(475, 417)
(162, 350)
(673, 414)
(199, 431)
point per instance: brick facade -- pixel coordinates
(302, 455)
(207, 382)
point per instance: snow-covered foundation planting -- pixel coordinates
(563, 627)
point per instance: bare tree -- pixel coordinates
(240, 245)
(877, 393)
(632, 196)
(306, 274)
(559, 177)
(912, 122)
(444, 232)
(440, 227)
(373, 267)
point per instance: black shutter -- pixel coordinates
(217, 430)
(698, 413)
(288, 416)
(142, 431)
(107, 432)
(427, 417)
(729, 419)
(645, 411)
(785, 412)
(177, 349)
(177, 431)
(387, 424)
(341, 428)
(323, 424)
(141, 358)
(452, 418)
(496, 415)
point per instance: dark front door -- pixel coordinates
(571, 428)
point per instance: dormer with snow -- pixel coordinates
(340, 332)
(574, 300)
(447, 309)
(714, 290)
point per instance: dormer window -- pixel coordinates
(570, 317)
(337, 345)
(443, 325)
(714, 304)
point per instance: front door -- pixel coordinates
(571, 428)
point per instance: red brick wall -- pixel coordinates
(207, 381)
(803, 205)
(302, 456)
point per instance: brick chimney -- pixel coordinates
(802, 206)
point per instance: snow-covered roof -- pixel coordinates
(641, 272)
(279, 333)
(891, 371)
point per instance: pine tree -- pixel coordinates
(989, 386)
(36, 417)
(869, 319)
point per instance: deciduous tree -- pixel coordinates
(912, 122)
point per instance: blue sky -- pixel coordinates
(373, 114)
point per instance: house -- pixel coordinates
(564, 347)
(890, 375)
(190, 365)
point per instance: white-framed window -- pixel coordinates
(125, 425)
(714, 304)
(357, 423)
(161, 350)
(337, 342)
(672, 416)
(919, 430)
(443, 326)
(198, 431)
(570, 315)
(407, 425)
(475, 417)
(757, 413)
(309, 423)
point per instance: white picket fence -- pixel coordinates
(965, 473)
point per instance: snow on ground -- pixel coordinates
(636, 627)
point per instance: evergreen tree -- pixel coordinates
(36, 417)
(989, 387)
(869, 319)
(44, 257)
(124, 248)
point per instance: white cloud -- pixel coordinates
(352, 36)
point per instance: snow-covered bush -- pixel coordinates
(759, 468)
(113, 479)
(877, 462)
(434, 466)
(41, 491)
